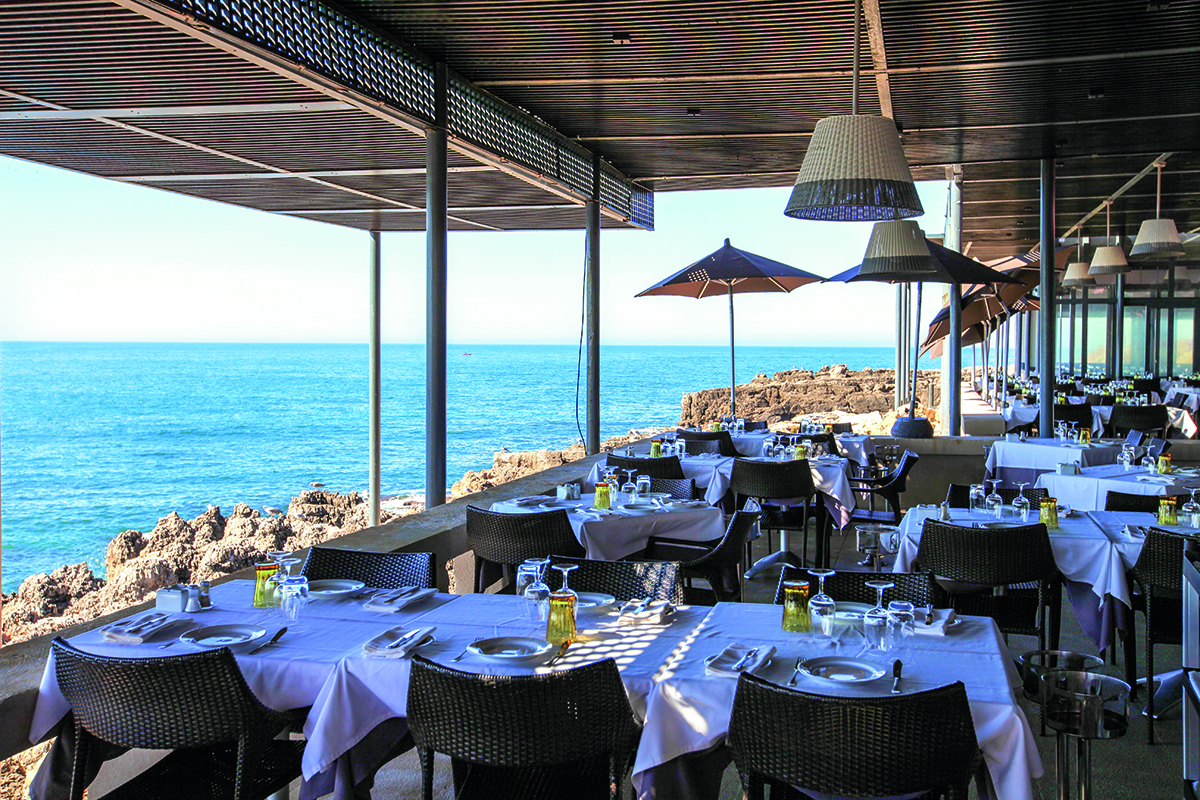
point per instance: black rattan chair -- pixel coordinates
(719, 564)
(1147, 419)
(1146, 386)
(764, 481)
(702, 447)
(624, 580)
(664, 467)
(1158, 581)
(727, 449)
(377, 570)
(1124, 501)
(978, 567)
(1157, 447)
(196, 704)
(851, 587)
(755, 425)
(958, 495)
(888, 488)
(524, 736)
(914, 745)
(678, 488)
(1134, 438)
(827, 439)
(1070, 412)
(501, 541)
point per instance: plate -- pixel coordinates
(639, 507)
(334, 587)
(837, 669)
(656, 495)
(1001, 525)
(223, 635)
(851, 612)
(511, 649)
(591, 601)
(556, 503)
(688, 504)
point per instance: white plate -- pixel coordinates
(510, 649)
(684, 505)
(556, 503)
(1001, 525)
(837, 669)
(639, 508)
(591, 601)
(656, 495)
(334, 587)
(223, 635)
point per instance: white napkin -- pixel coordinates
(937, 624)
(723, 665)
(396, 600)
(525, 502)
(381, 645)
(1159, 479)
(655, 613)
(136, 630)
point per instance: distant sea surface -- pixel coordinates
(101, 437)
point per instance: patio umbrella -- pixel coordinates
(731, 271)
(972, 333)
(981, 305)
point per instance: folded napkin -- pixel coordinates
(385, 644)
(655, 613)
(136, 630)
(526, 502)
(1160, 479)
(726, 663)
(937, 624)
(397, 599)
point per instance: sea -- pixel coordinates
(96, 438)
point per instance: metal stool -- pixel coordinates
(1086, 705)
(871, 540)
(1036, 663)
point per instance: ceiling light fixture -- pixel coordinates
(1077, 271)
(1110, 259)
(1157, 237)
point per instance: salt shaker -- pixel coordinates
(945, 514)
(193, 598)
(205, 599)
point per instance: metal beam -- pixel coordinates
(174, 111)
(436, 204)
(374, 378)
(878, 55)
(592, 314)
(317, 173)
(1046, 315)
(464, 209)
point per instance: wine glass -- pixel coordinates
(629, 488)
(978, 497)
(875, 621)
(995, 503)
(789, 452)
(531, 584)
(768, 447)
(822, 608)
(643, 485)
(292, 594)
(901, 621)
(1126, 457)
(1021, 504)
(560, 623)
(778, 450)
(1074, 433)
(1191, 509)
(285, 562)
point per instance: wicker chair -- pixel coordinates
(827, 439)
(1156, 447)
(958, 495)
(377, 570)
(720, 565)
(1134, 438)
(501, 541)
(889, 488)
(851, 587)
(678, 488)
(1068, 412)
(920, 744)
(702, 447)
(1123, 501)
(1158, 581)
(1147, 419)
(1146, 386)
(665, 467)
(196, 704)
(727, 449)
(779, 480)
(977, 567)
(528, 736)
(624, 580)
(755, 425)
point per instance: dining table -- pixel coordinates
(613, 534)
(858, 447)
(1087, 490)
(1013, 462)
(351, 696)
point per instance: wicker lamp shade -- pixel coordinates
(1157, 238)
(854, 170)
(1077, 275)
(897, 252)
(1108, 260)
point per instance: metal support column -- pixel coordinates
(1083, 333)
(1046, 316)
(592, 300)
(1119, 329)
(1071, 337)
(952, 349)
(373, 371)
(1029, 345)
(900, 352)
(436, 207)
(1170, 370)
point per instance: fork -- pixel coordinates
(467, 649)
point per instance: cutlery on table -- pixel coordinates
(795, 672)
(176, 640)
(366, 593)
(562, 651)
(897, 668)
(279, 633)
(741, 663)
(466, 650)
(402, 640)
(639, 608)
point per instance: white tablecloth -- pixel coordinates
(615, 535)
(1046, 454)
(688, 711)
(1087, 492)
(1190, 396)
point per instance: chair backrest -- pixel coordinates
(665, 467)
(1068, 412)
(624, 580)
(958, 495)
(898, 479)
(1146, 386)
(165, 703)
(1148, 419)
(522, 720)
(756, 425)
(1156, 447)
(727, 448)
(826, 439)
(678, 488)
(1134, 438)
(992, 557)
(377, 570)
(1126, 501)
(764, 480)
(699, 447)
(719, 565)
(858, 746)
(1177, 401)
(1158, 563)
(512, 538)
(851, 586)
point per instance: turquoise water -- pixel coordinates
(101, 437)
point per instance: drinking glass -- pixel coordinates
(277, 580)
(822, 609)
(560, 625)
(875, 621)
(995, 503)
(768, 447)
(1166, 511)
(789, 452)
(978, 497)
(1191, 510)
(532, 586)
(901, 621)
(292, 594)
(603, 499)
(643, 485)
(1126, 458)
(741, 425)
(628, 489)
(262, 573)
(1021, 504)
(795, 606)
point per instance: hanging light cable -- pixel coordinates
(1110, 259)
(1158, 236)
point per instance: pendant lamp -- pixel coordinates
(1110, 259)
(897, 252)
(854, 169)
(1158, 236)
(1077, 271)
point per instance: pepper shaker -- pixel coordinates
(205, 599)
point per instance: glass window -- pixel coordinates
(1134, 347)
(1182, 363)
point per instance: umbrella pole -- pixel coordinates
(912, 407)
(732, 368)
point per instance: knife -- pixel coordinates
(897, 667)
(402, 640)
(272, 641)
(795, 674)
(740, 664)
(562, 651)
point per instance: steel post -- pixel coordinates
(952, 350)
(899, 381)
(1046, 316)
(1119, 329)
(436, 208)
(592, 300)
(732, 366)
(1071, 336)
(373, 370)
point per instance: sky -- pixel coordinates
(88, 259)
